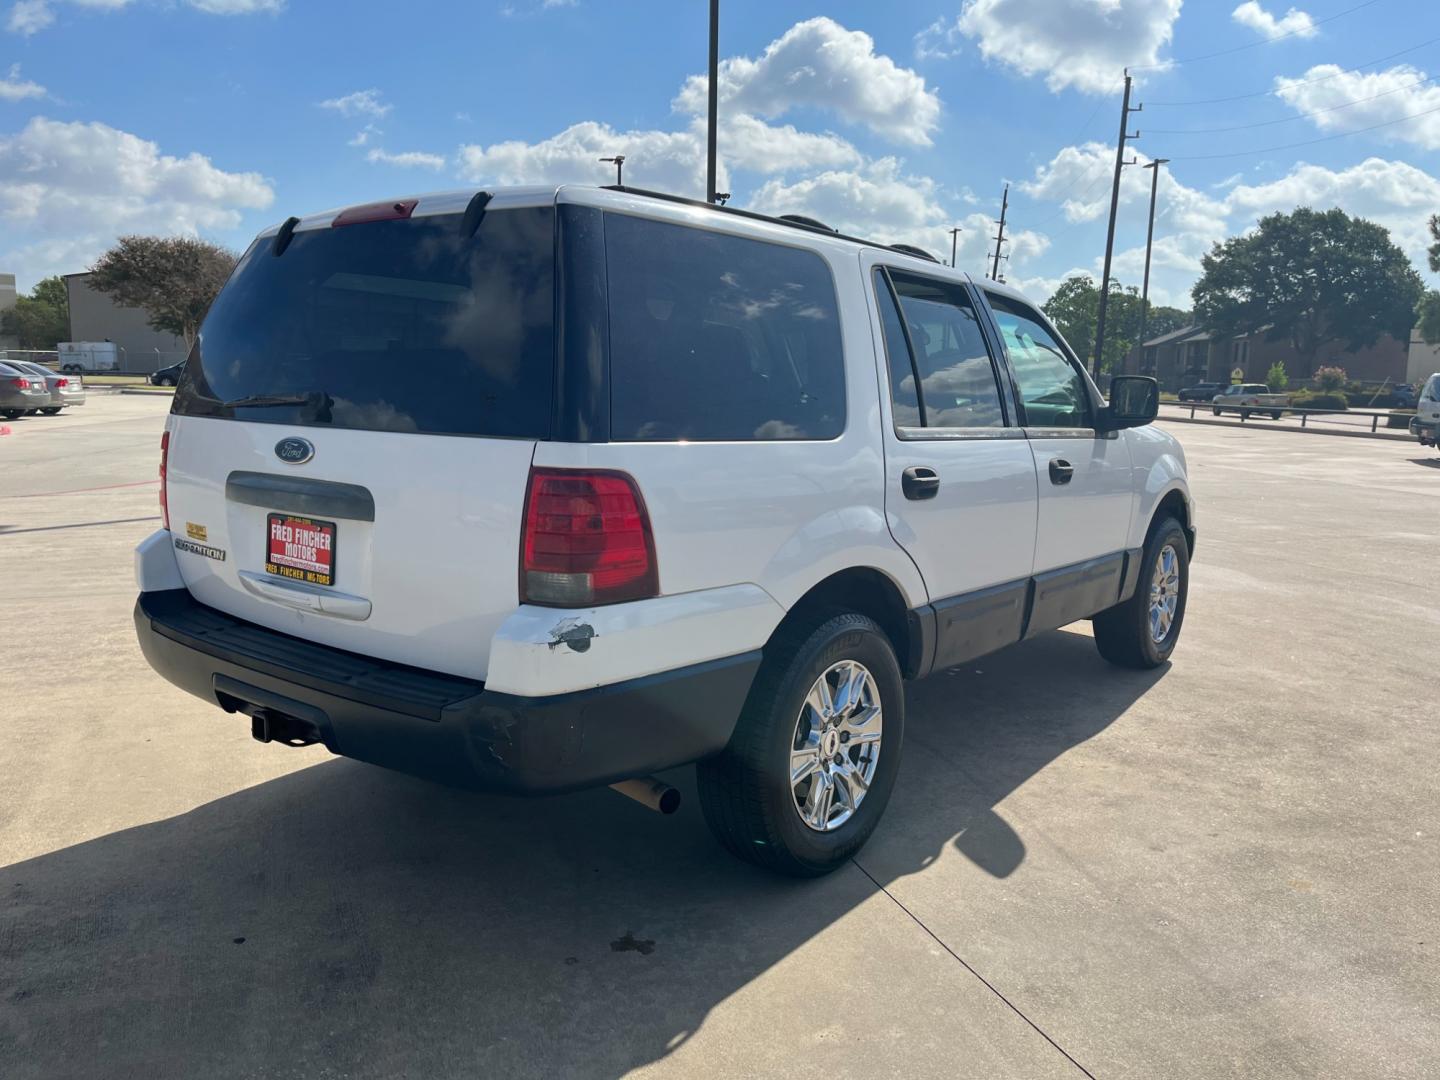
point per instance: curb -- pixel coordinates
(1391, 436)
(153, 391)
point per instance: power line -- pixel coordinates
(1289, 119)
(1308, 142)
(1356, 70)
(1255, 44)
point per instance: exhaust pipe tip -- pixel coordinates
(647, 791)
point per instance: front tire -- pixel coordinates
(1142, 632)
(1217, 410)
(1275, 415)
(812, 762)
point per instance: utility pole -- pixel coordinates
(954, 237)
(619, 162)
(1149, 241)
(1120, 163)
(714, 100)
(1000, 236)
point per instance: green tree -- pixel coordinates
(174, 280)
(42, 319)
(1434, 250)
(1331, 379)
(1427, 316)
(1309, 278)
(1275, 378)
(1074, 308)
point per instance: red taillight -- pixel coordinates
(63, 383)
(22, 384)
(164, 462)
(586, 541)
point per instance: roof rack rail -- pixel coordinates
(793, 221)
(911, 249)
(808, 222)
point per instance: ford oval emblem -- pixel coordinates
(294, 450)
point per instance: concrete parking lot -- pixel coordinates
(1227, 867)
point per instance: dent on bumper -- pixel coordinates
(442, 727)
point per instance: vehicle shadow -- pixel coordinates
(1428, 462)
(347, 921)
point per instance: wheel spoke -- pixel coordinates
(851, 690)
(819, 699)
(864, 726)
(806, 759)
(818, 802)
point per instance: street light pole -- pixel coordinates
(714, 100)
(1154, 166)
(619, 162)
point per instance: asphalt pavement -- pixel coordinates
(1226, 867)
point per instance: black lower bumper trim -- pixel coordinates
(440, 726)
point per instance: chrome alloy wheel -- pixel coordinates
(836, 746)
(1164, 593)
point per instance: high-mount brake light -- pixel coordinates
(164, 466)
(586, 540)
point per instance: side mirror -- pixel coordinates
(1134, 402)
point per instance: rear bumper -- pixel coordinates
(1424, 430)
(440, 726)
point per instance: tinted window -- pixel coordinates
(719, 337)
(388, 326)
(904, 401)
(1051, 387)
(957, 379)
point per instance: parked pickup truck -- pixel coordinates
(1246, 398)
(1426, 423)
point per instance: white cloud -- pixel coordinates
(1084, 44)
(1347, 100)
(939, 41)
(819, 64)
(237, 7)
(14, 88)
(67, 190)
(410, 159)
(748, 143)
(880, 201)
(1189, 221)
(360, 103)
(665, 161)
(364, 135)
(1293, 22)
(29, 17)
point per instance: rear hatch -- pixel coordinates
(353, 432)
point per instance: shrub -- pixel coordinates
(1275, 378)
(1332, 379)
(1311, 400)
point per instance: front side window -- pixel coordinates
(1432, 389)
(1052, 388)
(716, 337)
(940, 366)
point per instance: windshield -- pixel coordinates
(1432, 389)
(402, 326)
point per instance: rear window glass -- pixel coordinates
(401, 326)
(716, 337)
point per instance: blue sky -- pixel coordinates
(898, 120)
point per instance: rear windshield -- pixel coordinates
(402, 326)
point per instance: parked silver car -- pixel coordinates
(21, 391)
(65, 390)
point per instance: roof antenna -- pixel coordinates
(619, 162)
(722, 197)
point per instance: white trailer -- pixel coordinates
(85, 356)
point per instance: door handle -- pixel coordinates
(1061, 471)
(919, 482)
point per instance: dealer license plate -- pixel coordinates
(301, 549)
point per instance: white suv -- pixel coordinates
(533, 490)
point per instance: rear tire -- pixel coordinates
(1129, 634)
(13, 414)
(1217, 410)
(748, 793)
(1275, 415)
(52, 410)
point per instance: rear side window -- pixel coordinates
(716, 337)
(399, 326)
